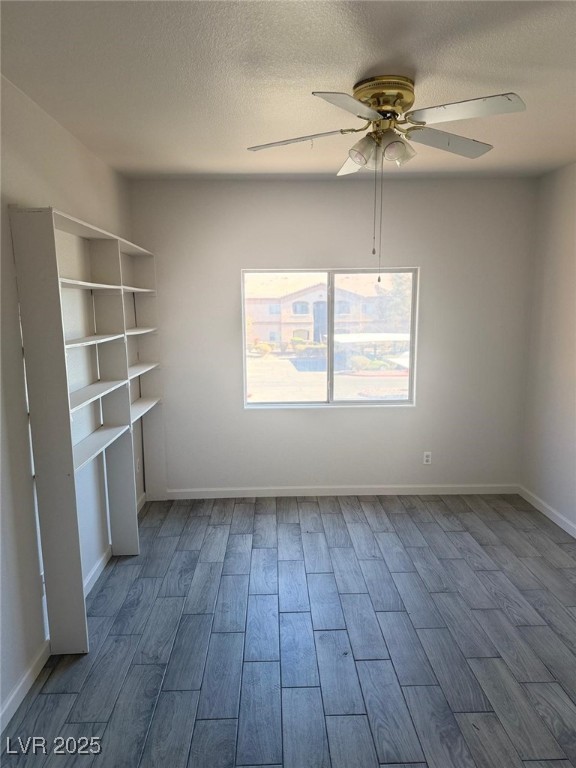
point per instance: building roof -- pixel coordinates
(277, 285)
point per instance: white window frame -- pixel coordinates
(330, 402)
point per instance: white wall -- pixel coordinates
(42, 165)
(472, 240)
(549, 459)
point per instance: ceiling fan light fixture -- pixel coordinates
(363, 150)
(408, 154)
(395, 148)
(375, 161)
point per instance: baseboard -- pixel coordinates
(90, 580)
(546, 509)
(334, 490)
(18, 693)
(141, 501)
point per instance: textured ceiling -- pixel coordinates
(184, 87)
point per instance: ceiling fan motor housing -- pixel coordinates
(386, 94)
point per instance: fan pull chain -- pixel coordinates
(374, 224)
(381, 212)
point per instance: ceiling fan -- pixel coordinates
(385, 102)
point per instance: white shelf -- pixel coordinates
(140, 368)
(80, 228)
(117, 290)
(67, 282)
(132, 249)
(86, 395)
(134, 289)
(86, 341)
(141, 406)
(138, 330)
(94, 444)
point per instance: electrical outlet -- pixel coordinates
(427, 458)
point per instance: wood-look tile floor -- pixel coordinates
(342, 632)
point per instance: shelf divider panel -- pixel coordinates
(123, 502)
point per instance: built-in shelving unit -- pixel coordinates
(88, 310)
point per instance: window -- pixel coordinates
(274, 309)
(300, 308)
(365, 357)
(369, 308)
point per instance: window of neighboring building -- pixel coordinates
(274, 309)
(368, 309)
(366, 358)
(342, 307)
(300, 308)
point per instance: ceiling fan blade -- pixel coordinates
(463, 110)
(293, 141)
(349, 103)
(449, 142)
(349, 167)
